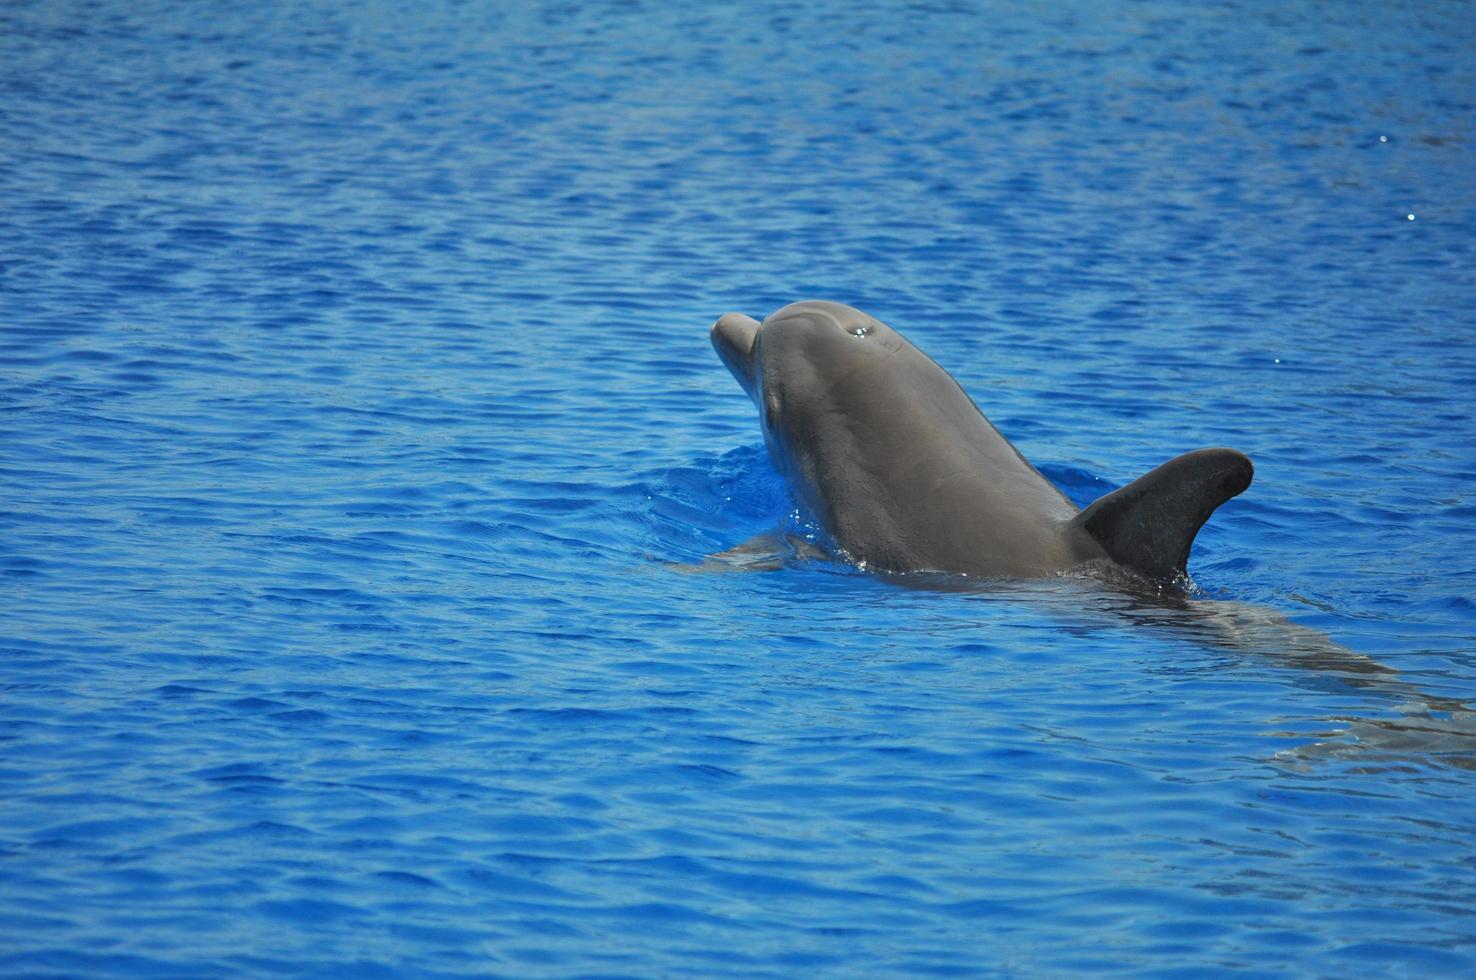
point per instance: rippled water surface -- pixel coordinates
(363, 447)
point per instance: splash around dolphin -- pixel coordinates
(907, 475)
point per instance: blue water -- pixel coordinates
(363, 450)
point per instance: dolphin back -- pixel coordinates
(1150, 524)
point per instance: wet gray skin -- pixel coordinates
(906, 474)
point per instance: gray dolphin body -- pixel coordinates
(906, 474)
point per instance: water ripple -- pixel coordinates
(365, 457)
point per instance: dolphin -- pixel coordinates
(904, 472)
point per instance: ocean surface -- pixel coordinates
(363, 451)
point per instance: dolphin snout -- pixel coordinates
(734, 337)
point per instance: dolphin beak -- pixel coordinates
(735, 338)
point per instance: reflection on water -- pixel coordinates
(1429, 729)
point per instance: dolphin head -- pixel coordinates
(827, 332)
(809, 369)
(817, 338)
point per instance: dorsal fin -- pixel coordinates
(1150, 524)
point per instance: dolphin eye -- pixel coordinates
(860, 329)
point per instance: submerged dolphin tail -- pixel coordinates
(1150, 524)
